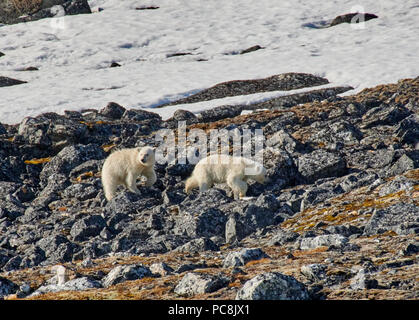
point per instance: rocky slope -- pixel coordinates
(338, 219)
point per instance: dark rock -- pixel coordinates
(147, 8)
(401, 218)
(69, 158)
(408, 129)
(87, 227)
(286, 81)
(273, 286)
(113, 111)
(198, 245)
(7, 82)
(114, 65)
(140, 115)
(235, 230)
(352, 18)
(240, 258)
(127, 202)
(282, 237)
(321, 164)
(384, 115)
(181, 115)
(251, 49)
(126, 272)
(195, 283)
(178, 54)
(57, 248)
(219, 113)
(410, 249)
(7, 287)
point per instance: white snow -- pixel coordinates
(73, 53)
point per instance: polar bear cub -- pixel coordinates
(124, 166)
(235, 171)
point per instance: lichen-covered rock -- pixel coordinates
(321, 164)
(87, 227)
(69, 158)
(240, 258)
(126, 272)
(314, 271)
(77, 284)
(273, 286)
(326, 240)
(402, 218)
(194, 283)
(198, 245)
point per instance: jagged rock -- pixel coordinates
(314, 272)
(282, 237)
(235, 230)
(363, 280)
(113, 111)
(126, 272)
(57, 248)
(140, 115)
(327, 240)
(87, 227)
(399, 183)
(69, 158)
(7, 287)
(161, 268)
(272, 286)
(384, 115)
(402, 165)
(401, 218)
(194, 283)
(198, 245)
(408, 129)
(219, 113)
(240, 258)
(321, 164)
(127, 202)
(283, 139)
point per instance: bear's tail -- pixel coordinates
(191, 183)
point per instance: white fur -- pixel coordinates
(235, 171)
(124, 166)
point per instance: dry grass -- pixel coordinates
(27, 6)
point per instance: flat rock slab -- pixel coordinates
(281, 82)
(7, 82)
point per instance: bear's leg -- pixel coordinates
(109, 187)
(238, 186)
(131, 183)
(151, 177)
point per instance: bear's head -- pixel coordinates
(146, 156)
(256, 172)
